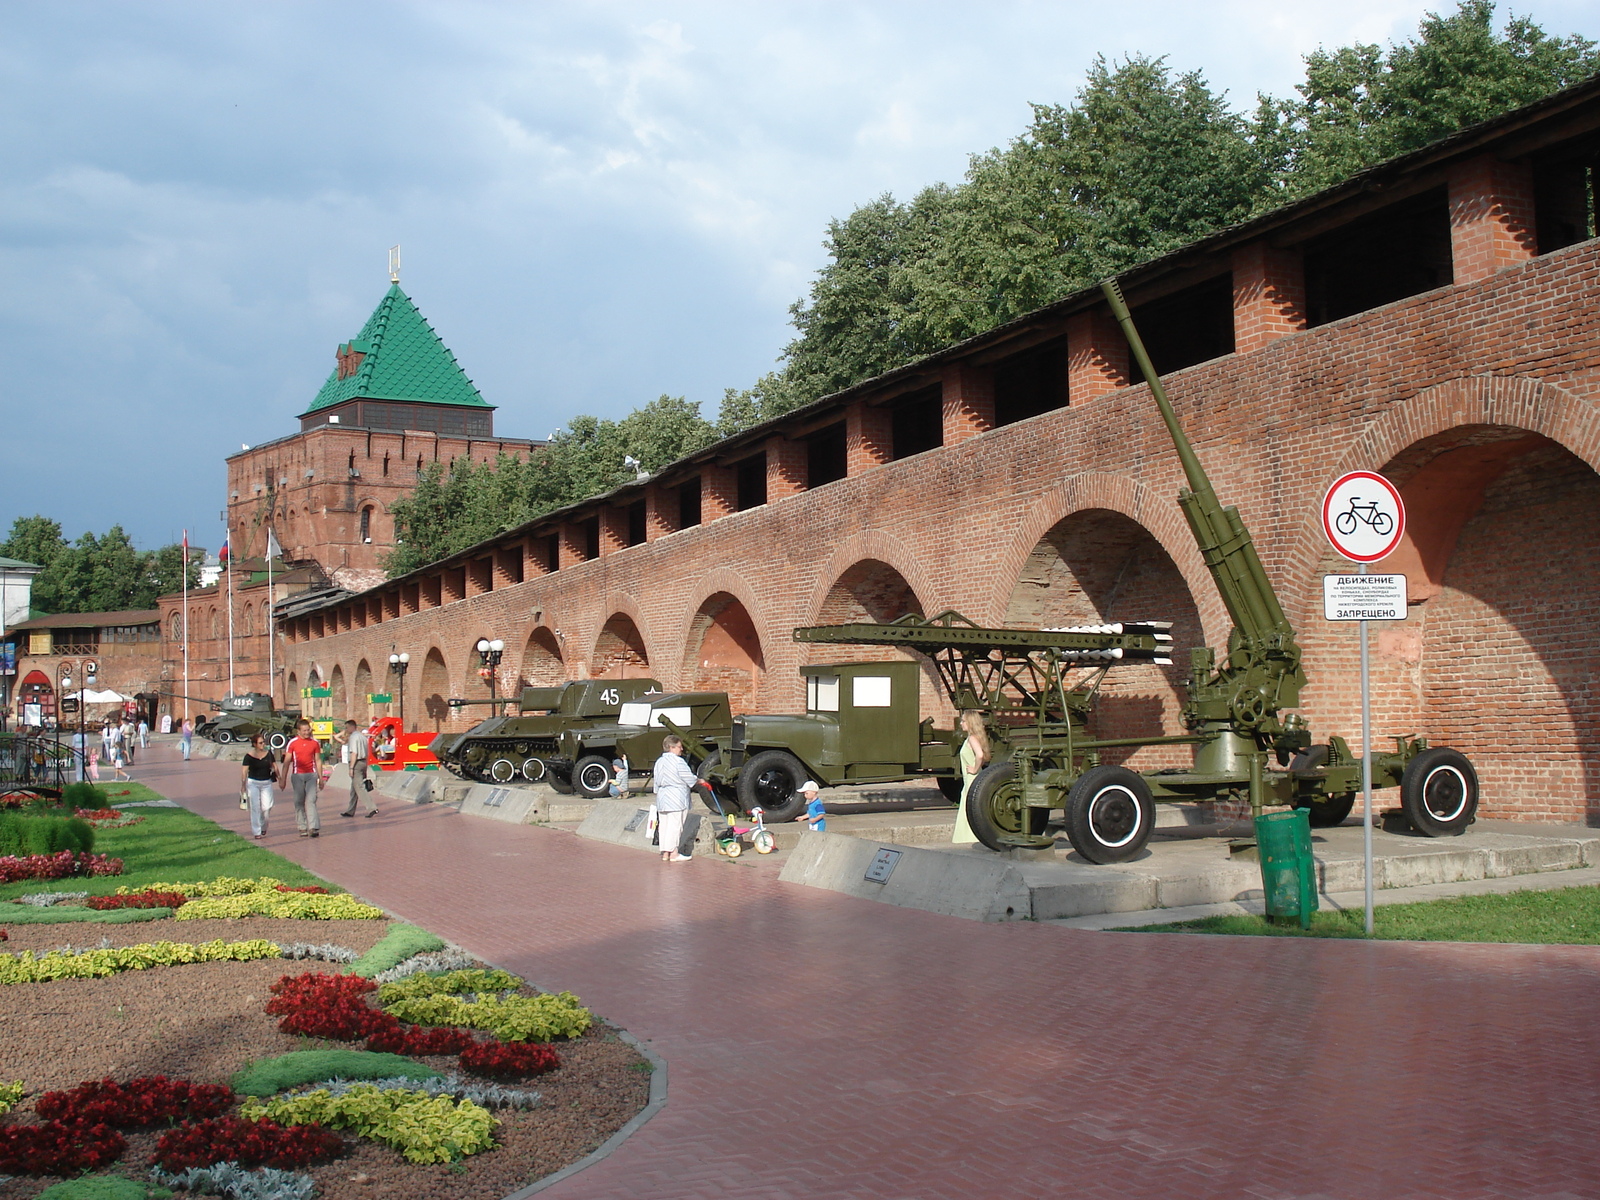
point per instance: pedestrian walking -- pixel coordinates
(128, 733)
(673, 779)
(79, 757)
(974, 757)
(119, 761)
(298, 772)
(259, 773)
(357, 745)
(186, 737)
(144, 734)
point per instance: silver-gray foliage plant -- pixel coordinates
(325, 951)
(488, 1095)
(231, 1180)
(431, 961)
(46, 899)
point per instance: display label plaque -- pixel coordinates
(1364, 597)
(882, 865)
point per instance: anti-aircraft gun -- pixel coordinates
(1246, 747)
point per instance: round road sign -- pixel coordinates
(1363, 516)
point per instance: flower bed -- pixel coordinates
(91, 964)
(424, 1128)
(144, 899)
(62, 865)
(340, 907)
(248, 1142)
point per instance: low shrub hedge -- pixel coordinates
(23, 834)
(400, 943)
(268, 1076)
(84, 795)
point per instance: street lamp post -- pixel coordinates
(400, 664)
(490, 653)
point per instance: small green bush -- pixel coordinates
(103, 1187)
(84, 795)
(24, 914)
(400, 943)
(268, 1076)
(24, 834)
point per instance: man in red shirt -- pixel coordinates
(300, 772)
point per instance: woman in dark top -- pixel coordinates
(259, 773)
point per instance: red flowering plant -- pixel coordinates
(145, 899)
(249, 1143)
(327, 1006)
(495, 1059)
(419, 1042)
(58, 1148)
(150, 1100)
(57, 866)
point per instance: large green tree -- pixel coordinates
(103, 573)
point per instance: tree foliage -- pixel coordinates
(102, 573)
(1143, 161)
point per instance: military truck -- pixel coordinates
(862, 724)
(584, 752)
(506, 747)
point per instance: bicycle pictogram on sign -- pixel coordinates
(1363, 516)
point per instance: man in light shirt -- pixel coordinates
(356, 744)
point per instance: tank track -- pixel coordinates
(517, 750)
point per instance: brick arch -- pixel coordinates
(1162, 519)
(543, 659)
(723, 651)
(1570, 421)
(720, 579)
(339, 698)
(613, 634)
(882, 547)
(474, 686)
(432, 683)
(360, 688)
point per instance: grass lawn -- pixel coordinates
(170, 845)
(1570, 915)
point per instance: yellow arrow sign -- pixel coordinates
(415, 746)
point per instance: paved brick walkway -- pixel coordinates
(820, 1046)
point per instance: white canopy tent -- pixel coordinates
(90, 696)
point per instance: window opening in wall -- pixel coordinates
(916, 423)
(1563, 199)
(636, 523)
(827, 455)
(1031, 383)
(689, 504)
(386, 465)
(750, 482)
(351, 465)
(366, 524)
(590, 531)
(1380, 258)
(1188, 327)
(419, 466)
(552, 552)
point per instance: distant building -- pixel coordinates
(16, 599)
(396, 402)
(55, 656)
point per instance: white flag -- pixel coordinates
(273, 549)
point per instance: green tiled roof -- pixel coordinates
(405, 360)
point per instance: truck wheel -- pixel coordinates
(591, 776)
(559, 783)
(950, 785)
(995, 808)
(725, 796)
(1439, 792)
(1328, 811)
(278, 741)
(223, 736)
(1109, 814)
(771, 782)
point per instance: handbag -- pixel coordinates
(653, 826)
(244, 798)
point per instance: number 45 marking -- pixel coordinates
(611, 696)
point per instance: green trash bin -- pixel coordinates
(1288, 872)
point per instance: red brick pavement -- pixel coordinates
(824, 1046)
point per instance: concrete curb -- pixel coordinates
(979, 885)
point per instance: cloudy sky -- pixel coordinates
(597, 203)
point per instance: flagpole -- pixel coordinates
(227, 569)
(185, 624)
(272, 628)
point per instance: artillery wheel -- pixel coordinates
(950, 785)
(533, 769)
(771, 782)
(591, 776)
(1109, 814)
(1328, 811)
(559, 783)
(1439, 792)
(995, 808)
(502, 770)
(277, 741)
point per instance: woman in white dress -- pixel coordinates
(974, 757)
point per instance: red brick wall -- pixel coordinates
(1518, 350)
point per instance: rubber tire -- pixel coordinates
(591, 776)
(223, 737)
(770, 773)
(1329, 811)
(764, 842)
(558, 782)
(990, 809)
(733, 849)
(1122, 785)
(950, 785)
(726, 796)
(277, 741)
(1445, 766)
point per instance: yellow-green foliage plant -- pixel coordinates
(10, 1096)
(223, 885)
(28, 967)
(338, 907)
(437, 1000)
(424, 1128)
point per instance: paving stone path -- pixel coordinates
(821, 1046)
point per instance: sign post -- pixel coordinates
(1364, 519)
